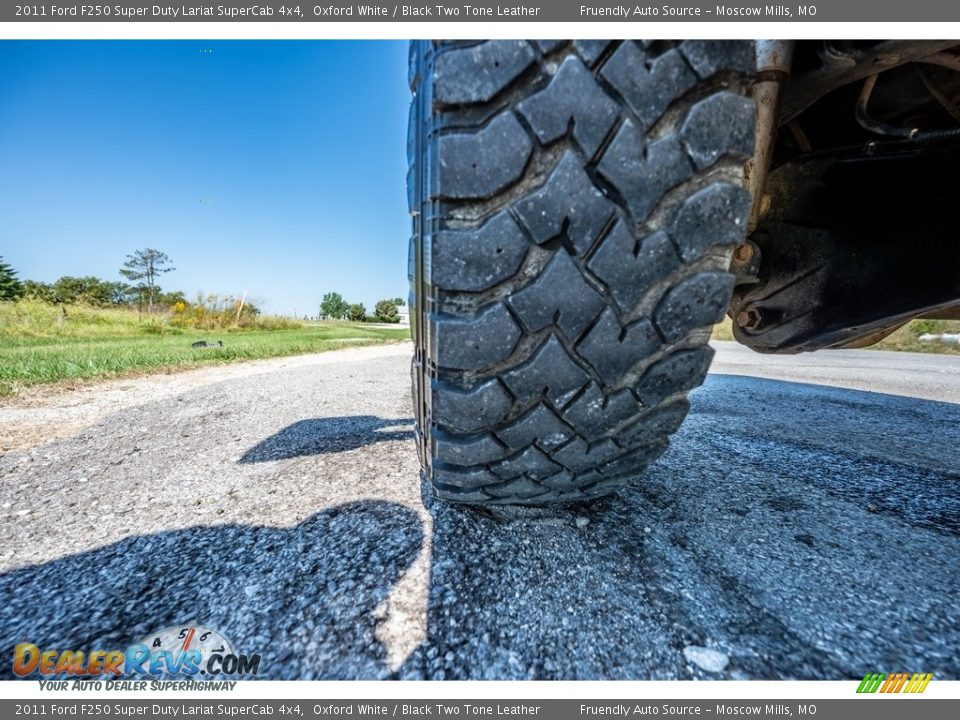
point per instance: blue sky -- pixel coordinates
(272, 166)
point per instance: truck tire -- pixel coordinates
(575, 206)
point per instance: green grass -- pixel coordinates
(905, 339)
(723, 330)
(39, 345)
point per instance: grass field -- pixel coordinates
(39, 344)
(906, 339)
(42, 343)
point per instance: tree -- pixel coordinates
(90, 290)
(333, 306)
(68, 289)
(10, 286)
(39, 291)
(143, 267)
(171, 298)
(386, 311)
(357, 312)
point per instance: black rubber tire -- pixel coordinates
(574, 208)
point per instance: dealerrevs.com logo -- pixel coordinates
(189, 651)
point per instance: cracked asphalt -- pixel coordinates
(804, 524)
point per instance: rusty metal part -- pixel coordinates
(873, 339)
(743, 252)
(875, 126)
(822, 67)
(773, 69)
(750, 319)
(951, 312)
(766, 202)
(745, 262)
(943, 60)
(950, 104)
(799, 136)
(895, 131)
(774, 56)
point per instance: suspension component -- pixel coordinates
(774, 58)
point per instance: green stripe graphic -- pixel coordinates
(871, 682)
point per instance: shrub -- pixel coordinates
(386, 311)
(219, 312)
(357, 312)
(926, 327)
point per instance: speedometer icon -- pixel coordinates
(179, 639)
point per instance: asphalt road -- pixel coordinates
(795, 529)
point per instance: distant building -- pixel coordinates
(404, 312)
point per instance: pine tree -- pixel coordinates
(143, 267)
(10, 287)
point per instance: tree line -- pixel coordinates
(334, 307)
(141, 289)
(141, 270)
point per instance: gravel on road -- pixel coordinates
(793, 530)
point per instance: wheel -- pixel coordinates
(575, 206)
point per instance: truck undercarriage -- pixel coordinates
(853, 231)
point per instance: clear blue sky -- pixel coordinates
(275, 166)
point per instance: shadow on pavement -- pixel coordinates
(304, 598)
(319, 436)
(803, 531)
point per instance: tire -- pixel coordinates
(575, 206)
